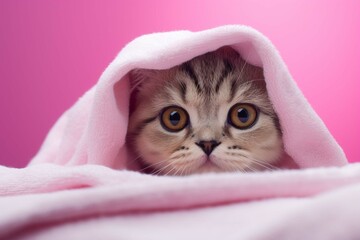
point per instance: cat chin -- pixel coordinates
(208, 167)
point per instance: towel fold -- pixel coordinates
(57, 202)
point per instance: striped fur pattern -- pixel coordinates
(206, 87)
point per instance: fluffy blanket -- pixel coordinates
(81, 184)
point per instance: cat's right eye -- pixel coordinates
(174, 118)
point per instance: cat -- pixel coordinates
(209, 114)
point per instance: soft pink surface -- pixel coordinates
(109, 204)
(51, 52)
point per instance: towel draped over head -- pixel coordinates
(93, 131)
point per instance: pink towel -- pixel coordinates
(319, 203)
(79, 185)
(93, 131)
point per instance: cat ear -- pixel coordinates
(138, 77)
(228, 52)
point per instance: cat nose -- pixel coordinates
(208, 146)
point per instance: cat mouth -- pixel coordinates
(208, 162)
(208, 165)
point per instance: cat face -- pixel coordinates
(210, 114)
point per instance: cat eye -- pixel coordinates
(243, 115)
(174, 118)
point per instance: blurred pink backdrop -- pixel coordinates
(51, 52)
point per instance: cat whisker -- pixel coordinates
(157, 171)
(157, 163)
(251, 168)
(164, 168)
(232, 166)
(266, 165)
(172, 169)
(179, 170)
(269, 165)
(263, 164)
(153, 165)
(187, 171)
(239, 168)
(183, 171)
(258, 162)
(235, 168)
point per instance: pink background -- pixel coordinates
(51, 52)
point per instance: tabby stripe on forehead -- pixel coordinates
(186, 67)
(228, 68)
(183, 89)
(234, 88)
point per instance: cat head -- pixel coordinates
(211, 113)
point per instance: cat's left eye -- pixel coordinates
(243, 115)
(174, 118)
